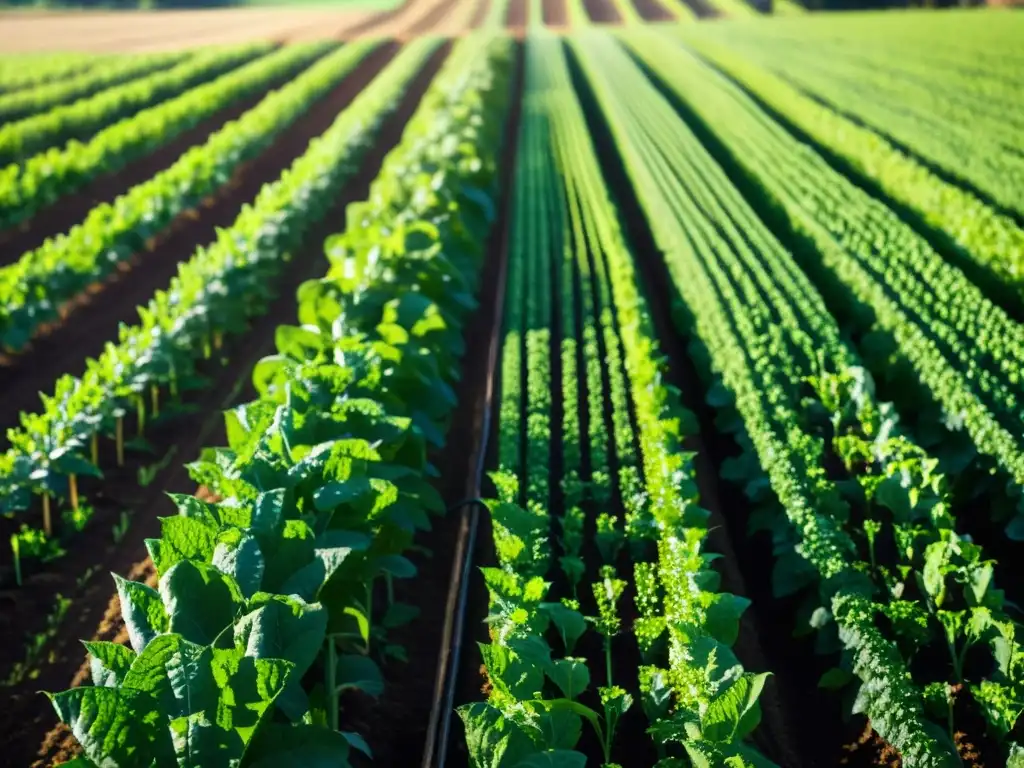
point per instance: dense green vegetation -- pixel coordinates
(753, 294)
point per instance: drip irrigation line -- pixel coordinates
(435, 750)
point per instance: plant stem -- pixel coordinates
(331, 684)
(140, 410)
(47, 522)
(154, 396)
(174, 383)
(16, 551)
(95, 445)
(608, 659)
(73, 489)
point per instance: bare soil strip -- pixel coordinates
(95, 316)
(554, 13)
(703, 9)
(27, 727)
(652, 10)
(483, 7)
(168, 30)
(420, 17)
(602, 11)
(72, 209)
(518, 15)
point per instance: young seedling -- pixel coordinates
(607, 593)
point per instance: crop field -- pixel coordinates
(512, 384)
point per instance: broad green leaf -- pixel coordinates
(357, 742)
(222, 697)
(286, 553)
(334, 494)
(182, 538)
(200, 601)
(189, 506)
(570, 623)
(560, 729)
(362, 622)
(835, 678)
(493, 741)
(565, 705)
(532, 650)
(723, 616)
(308, 580)
(108, 662)
(142, 610)
(268, 512)
(284, 628)
(398, 566)
(238, 555)
(735, 712)
(571, 676)
(359, 672)
(357, 541)
(105, 723)
(512, 675)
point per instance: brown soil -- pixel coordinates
(433, 18)
(518, 15)
(703, 9)
(867, 749)
(138, 31)
(602, 11)
(652, 10)
(23, 729)
(94, 318)
(73, 208)
(555, 13)
(483, 7)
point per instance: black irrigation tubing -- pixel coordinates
(462, 565)
(435, 750)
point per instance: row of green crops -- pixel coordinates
(925, 326)
(630, 523)
(275, 602)
(31, 70)
(973, 138)
(873, 554)
(82, 119)
(44, 178)
(213, 296)
(986, 237)
(963, 41)
(33, 290)
(21, 104)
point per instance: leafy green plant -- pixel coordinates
(325, 479)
